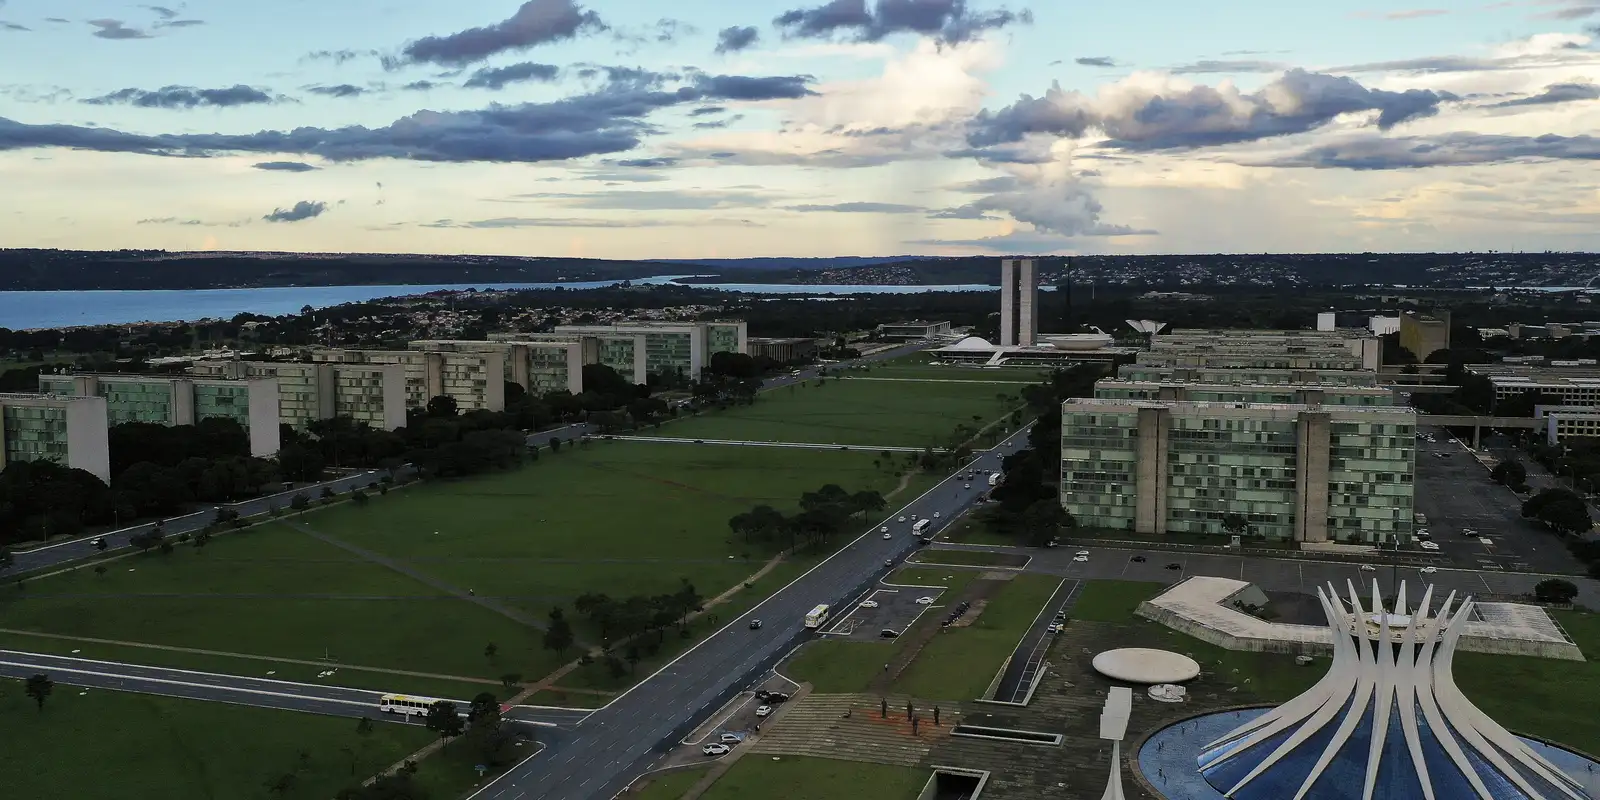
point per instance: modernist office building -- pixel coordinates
(913, 329)
(637, 350)
(1019, 302)
(1295, 472)
(374, 394)
(68, 430)
(1256, 376)
(180, 400)
(1265, 349)
(1572, 386)
(1302, 393)
(537, 366)
(1387, 721)
(476, 381)
(1423, 334)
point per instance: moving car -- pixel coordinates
(902, 518)
(1429, 570)
(924, 601)
(1082, 553)
(888, 633)
(885, 529)
(1137, 559)
(773, 698)
(1174, 565)
(715, 749)
(966, 486)
(935, 515)
(1080, 558)
(887, 536)
(1429, 546)
(763, 711)
(755, 624)
(1367, 568)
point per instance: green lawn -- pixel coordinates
(960, 663)
(1541, 696)
(667, 786)
(855, 412)
(975, 558)
(141, 747)
(798, 778)
(953, 580)
(1112, 601)
(840, 666)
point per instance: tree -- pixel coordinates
(39, 687)
(442, 406)
(555, 444)
(100, 570)
(1235, 524)
(300, 502)
(510, 679)
(490, 650)
(1510, 473)
(282, 785)
(483, 710)
(558, 637)
(300, 463)
(364, 727)
(1555, 590)
(359, 497)
(443, 719)
(1559, 509)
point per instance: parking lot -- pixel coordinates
(1455, 493)
(896, 609)
(731, 726)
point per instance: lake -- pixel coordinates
(24, 310)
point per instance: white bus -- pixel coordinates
(922, 525)
(817, 616)
(409, 705)
(994, 479)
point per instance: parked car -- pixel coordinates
(902, 518)
(762, 711)
(888, 633)
(730, 738)
(1429, 570)
(1367, 568)
(1056, 627)
(924, 601)
(1137, 559)
(869, 604)
(935, 515)
(1174, 565)
(715, 749)
(966, 486)
(775, 698)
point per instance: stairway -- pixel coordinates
(849, 727)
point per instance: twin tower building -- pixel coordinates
(1019, 302)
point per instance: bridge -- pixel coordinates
(1478, 423)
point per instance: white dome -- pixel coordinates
(972, 343)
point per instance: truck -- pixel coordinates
(994, 479)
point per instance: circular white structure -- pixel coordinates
(1077, 341)
(1168, 693)
(972, 343)
(1143, 665)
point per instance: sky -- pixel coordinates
(603, 129)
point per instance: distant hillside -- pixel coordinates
(798, 264)
(156, 269)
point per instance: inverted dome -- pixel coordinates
(1386, 723)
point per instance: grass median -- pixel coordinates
(960, 663)
(801, 778)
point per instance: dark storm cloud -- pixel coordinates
(12, 26)
(736, 38)
(1447, 150)
(859, 208)
(1556, 93)
(1297, 102)
(718, 123)
(647, 163)
(337, 56)
(535, 23)
(184, 97)
(284, 166)
(949, 21)
(303, 210)
(1095, 61)
(114, 29)
(422, 86)
(498, 77)
(610, 120)
(340, 90)
(707, 111)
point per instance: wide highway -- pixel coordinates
(613, 745)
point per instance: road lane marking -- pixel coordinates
(76, 660)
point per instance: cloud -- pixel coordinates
(859, 208)
(1144, 114)
(1574, 9)
(303, 210)
(1095, 61)
(12, 26)
(535, 23)
(1016, 242)
(1210, 67)
(962, 212)
(610, 120)
(181, 23)
(1447, 150)
(161, 11)
(1556, 93)
(422, 86)
(547, 222)
(284, 166)
(647, 163)
(734, 39)
(1051, 203)
(707, 110)
(718, 124)
(338, 57)
(114, 29)
(185, 97)
(948, 21)
(340, 90)
(497, 77)
(1000, 183)
(640, 200)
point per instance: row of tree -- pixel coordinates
(823, 514)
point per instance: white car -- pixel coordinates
(763, 711)
(902, 518)
(1056, 627)
(1082, 553)
(935, 515)
(869, 604)
(1080, 558)
(1367, 568)
(967, 486)
(1429, 570)
(1429, 546)
(1424, 531)
(884, 529)
(715, 749)
(888, 536)
(924, 601)
(730, 739)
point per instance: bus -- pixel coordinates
(922, 525)
(409, 705)
(817, 616)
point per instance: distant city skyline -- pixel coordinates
(701, 129)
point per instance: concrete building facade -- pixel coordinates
(1573, 386)
(1424, 334)
(1250, 376)
(374, 394)
(1295, 472)
(1019, 302)
(476, 381)
(1301, 393)
(180, 400)
(536, 366)
(637, 350)
(788, 350)
(913, 329)
(70, 430)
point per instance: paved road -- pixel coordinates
(1273, 574)
(77, 549)
(241, 690)
(606, 751)
(1023, 668)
